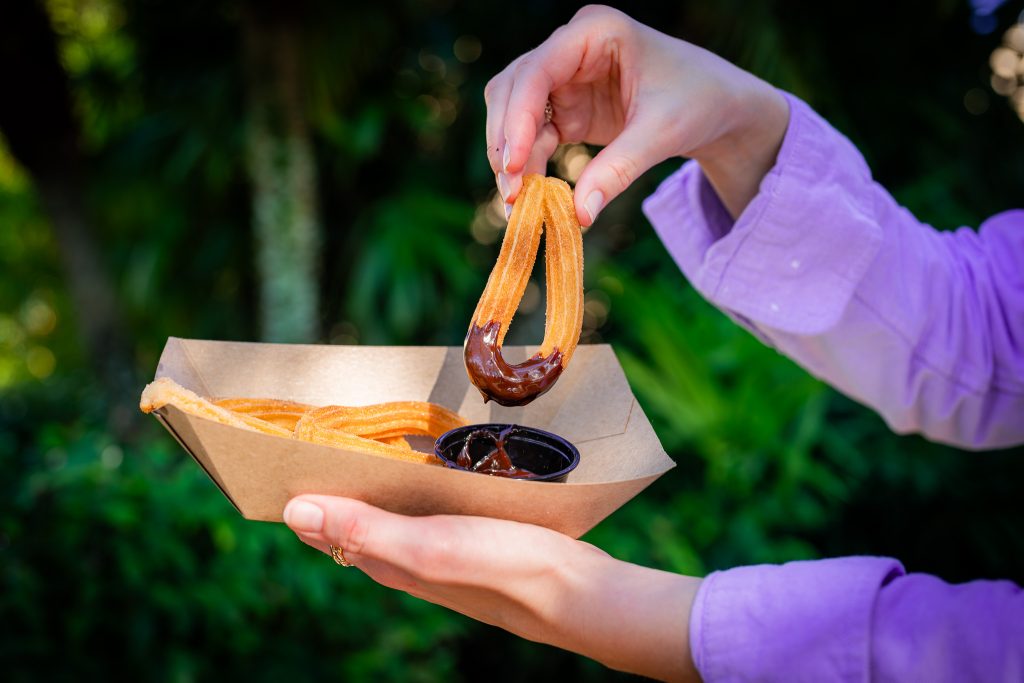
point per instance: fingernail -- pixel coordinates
(593, 204)
(303, 516)
(503, 187)
(506, 157)
(508, 211)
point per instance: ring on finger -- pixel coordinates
(339, 556)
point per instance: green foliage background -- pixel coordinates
(118, 557)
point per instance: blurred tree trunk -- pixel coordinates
(283, 174)
(37, 119)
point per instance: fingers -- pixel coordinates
(376, 542)
(577, 51)
(553, 64)
(395, 550)
(505, 573)
(496, 99)
(509, 185)
(406, 551)
(515, 100)
(328, 520)
(545, 145)
(615, 168)
(564, 69)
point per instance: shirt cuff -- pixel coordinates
(794, 257)
(801, 621)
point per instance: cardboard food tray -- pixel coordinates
(590, 405)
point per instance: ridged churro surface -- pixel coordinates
(542, 201)
(563, 261)
(382, 420)
(164, 391)
(378, 429)
(282, 413)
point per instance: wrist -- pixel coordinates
(756, 117)
(627, 617)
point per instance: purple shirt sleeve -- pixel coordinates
(926, 327)
(854, 619)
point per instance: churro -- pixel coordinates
(542, 201)
(382, 420)
(399, 441)
(164, 391)
(353, 442)
(282, 413)
(377, 429)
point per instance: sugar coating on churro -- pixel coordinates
(282, 413)
(542, 201)
(165, 391)
(383, 420)
(378, 429)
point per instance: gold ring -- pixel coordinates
(549, 112)
(339, 556)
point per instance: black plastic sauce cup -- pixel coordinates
(548, 456)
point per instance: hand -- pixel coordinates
(644, 95)
(532, 581)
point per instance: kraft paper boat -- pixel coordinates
(591, 406)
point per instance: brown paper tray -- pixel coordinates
(591, 405)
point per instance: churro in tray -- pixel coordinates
(379, 429)
(382, 420)
(282, 413)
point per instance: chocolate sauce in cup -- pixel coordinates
(508, 450)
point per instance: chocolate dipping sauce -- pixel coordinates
(508, 450)
(496, 463)
(502, 382)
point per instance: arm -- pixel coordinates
(923, 326)
(848, 619)
(528, 580)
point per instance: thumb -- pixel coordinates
(346, 523)
(615, 168)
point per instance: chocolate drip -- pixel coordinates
(509, 385)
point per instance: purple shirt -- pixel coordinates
(925, 327)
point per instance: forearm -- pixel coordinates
(825, 266)
(627, 617)
(736, 162)
(927, 339)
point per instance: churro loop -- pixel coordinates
(542, 201)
